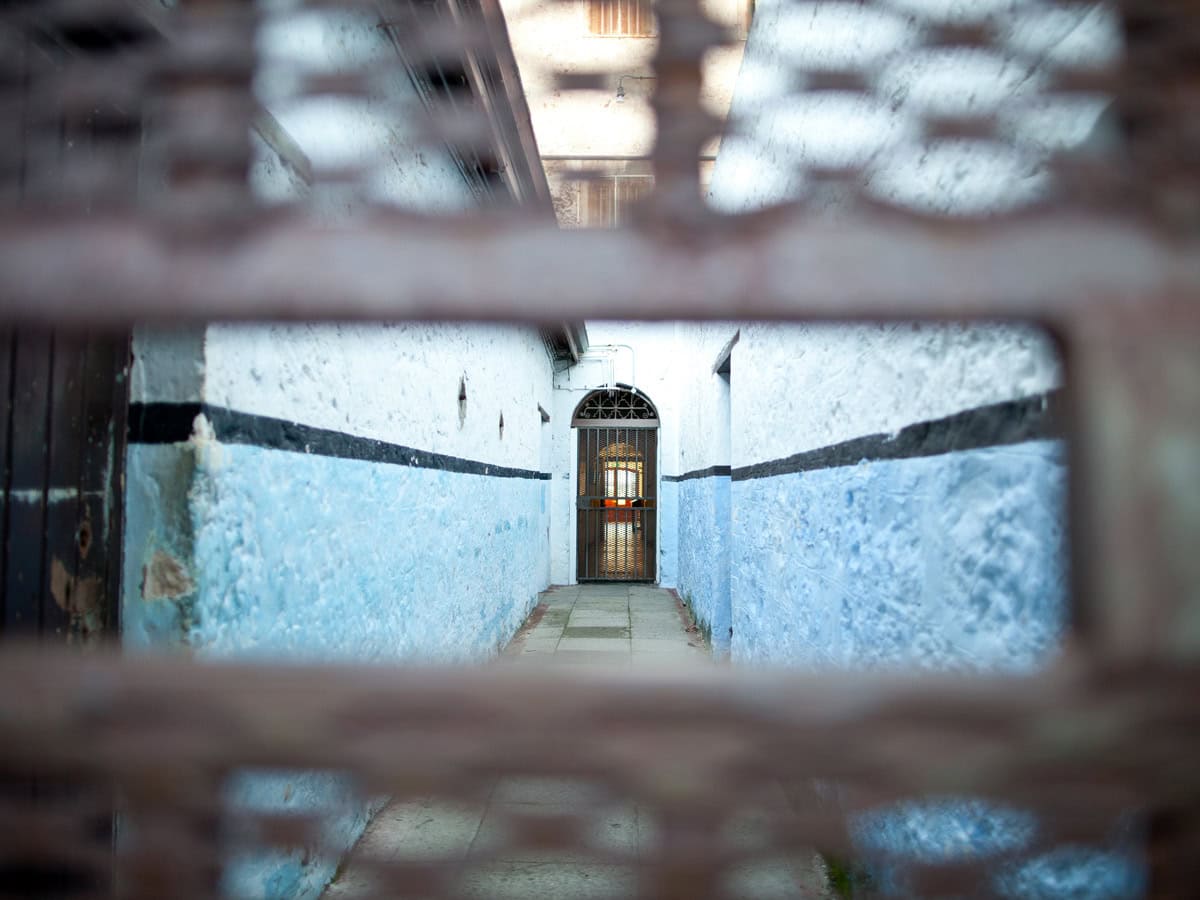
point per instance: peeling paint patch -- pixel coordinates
(204, 441)
(165, 578)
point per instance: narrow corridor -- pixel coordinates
(620, 625)
(490, 845)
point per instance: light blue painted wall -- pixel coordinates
(704, 554)
(304, 556)
(952, 561)
(702, 524)
(332, 797)
(958, 828)
(158, 527)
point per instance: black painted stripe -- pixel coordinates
(710, 472)
(1039, 417)
(170, 423)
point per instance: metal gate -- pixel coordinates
(616, 518)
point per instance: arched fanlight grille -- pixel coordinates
(615, 405)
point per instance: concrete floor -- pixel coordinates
(617, 625)
(620, 625)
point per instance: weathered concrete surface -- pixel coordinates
(953, 561)
(308, 557)
(608, 625)
(705, 522)
(590, 626)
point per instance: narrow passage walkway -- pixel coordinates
(618, 625)
(609, 625)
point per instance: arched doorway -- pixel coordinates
(616, 517)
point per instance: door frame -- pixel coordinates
(644, 417)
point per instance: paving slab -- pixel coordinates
(547, 791)
(669, 624)
(591, 659)
(423, 829)
(661, 646)
(549, 881)
(620, 607)
(598, 620)
(608, 644)
(644, 662)
(595, 631)
(542, 635)
(608, 829)
(661, 633)
(618, 612)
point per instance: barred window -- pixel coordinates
(609, 199)
(630, 18)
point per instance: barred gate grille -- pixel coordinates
(616, 508)
(152, 218)
(616, 518)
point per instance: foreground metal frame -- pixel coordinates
(1054, 266)
(1080, 746)
(1113, 727)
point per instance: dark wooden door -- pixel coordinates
(63, 402)
(63, 393)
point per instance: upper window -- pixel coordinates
(624, 18)
(608, 200)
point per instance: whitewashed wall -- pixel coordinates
(397, 382)
(802, 387)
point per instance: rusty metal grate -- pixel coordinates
(125, 194)
(167, 104)
(616, 510)
(697, 753)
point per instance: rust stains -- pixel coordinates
(165, 578)
(73, 594)
(78, 596)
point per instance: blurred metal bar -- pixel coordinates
(1136, 480)
(110, 270)
(99, 713)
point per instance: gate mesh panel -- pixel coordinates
(126, 179)
(696, 784)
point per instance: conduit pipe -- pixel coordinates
(610, 350)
